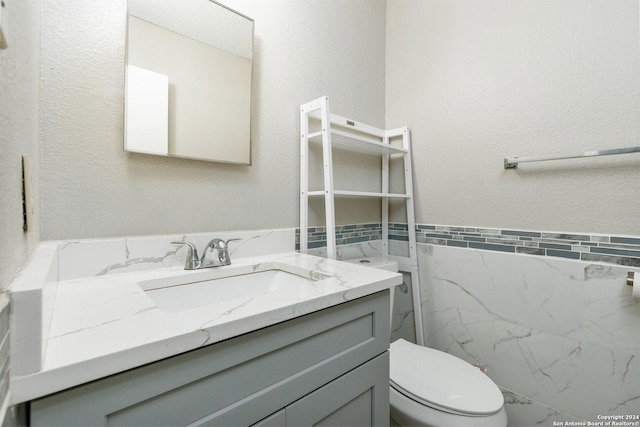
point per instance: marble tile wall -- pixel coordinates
(4, 358)
(559, 336)
(549, 314)
(95, 257)
(402, 320)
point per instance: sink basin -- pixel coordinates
(190, 291)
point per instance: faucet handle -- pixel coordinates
(226, 242)
(225, 249)
(221, 244)
(224, 253)
(193, 262)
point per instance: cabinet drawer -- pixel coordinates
(263, 371)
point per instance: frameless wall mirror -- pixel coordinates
(188, 80)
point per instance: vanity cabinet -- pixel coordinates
(330, 367)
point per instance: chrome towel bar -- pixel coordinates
(512, 163)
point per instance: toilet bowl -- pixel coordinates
(432, 388)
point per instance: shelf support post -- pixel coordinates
(327, 159)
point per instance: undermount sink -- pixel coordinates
(188, 291)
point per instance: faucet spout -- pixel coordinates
(193, 262)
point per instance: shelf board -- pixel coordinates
(355, 142)
(346, 193)
(336, 120)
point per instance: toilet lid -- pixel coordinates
(442, 381)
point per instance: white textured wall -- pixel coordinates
(478, 81)
(92, 188)
(19, 91)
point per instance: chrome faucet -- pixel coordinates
(216, 254)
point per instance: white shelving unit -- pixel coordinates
(342, 133)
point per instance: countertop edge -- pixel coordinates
(45, 382)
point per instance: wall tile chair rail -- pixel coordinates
(611, 249)
(345, 234)
(620, 250)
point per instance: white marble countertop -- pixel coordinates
(107, 324)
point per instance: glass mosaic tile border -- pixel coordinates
(345, 234)
(612, 249)
(584, 247)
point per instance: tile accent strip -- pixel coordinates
(619, 250)
(345, 234)
(585, 247)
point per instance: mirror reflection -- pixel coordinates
(188, 80)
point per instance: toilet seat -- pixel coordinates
(442, 381)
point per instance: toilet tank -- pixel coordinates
(381, 263)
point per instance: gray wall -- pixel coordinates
(482, 80)
(19, 135)
(19, 109)
(499, 78)
(92, 188)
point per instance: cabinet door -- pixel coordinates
(358, 398)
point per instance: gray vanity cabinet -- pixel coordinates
(354, 399)
(351, 400)
(330, 367)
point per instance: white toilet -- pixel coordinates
(435, 389)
